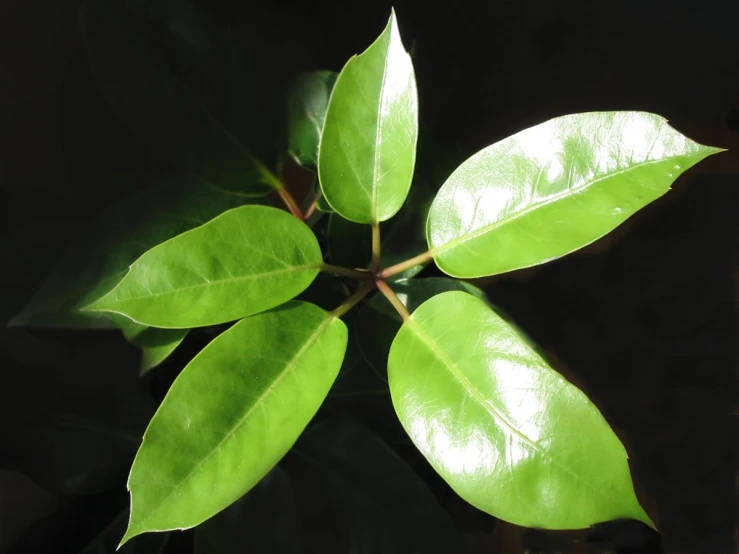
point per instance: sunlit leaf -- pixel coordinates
(368, 148)
(233, 412)
(507, 432)
(160, 110)
(245, 261)
(94, 263)
(554, 188)
(264, 521)
(306, 111)
(358, 495)
(156, 344)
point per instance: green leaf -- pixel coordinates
(107, 540)
(358, 495)
(245, 261)
(160, 110)
(156, 344)
(552, 189)
(93, 264)
(378, 322)
(232, 414)
(264, 521)
(306, 110)
(368, 148)
(507, 432)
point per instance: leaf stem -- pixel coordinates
(361, 274)
(393, 299)
(376, 248)
(402, 266)
(312, 206)
(290, 202)
(354, 299)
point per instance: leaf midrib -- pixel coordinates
(378, 135)
(289, 367)
(533, 207)
(467, 385)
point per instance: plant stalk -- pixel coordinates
(376, 248)
(354, 299)
(402, 266)
(393, 299)
(290, 202)
(361, 274)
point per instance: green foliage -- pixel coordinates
(507, 432)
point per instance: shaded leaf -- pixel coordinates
(507, 432)
(368, 148)
(264, 521)
(358, 495)
(244, 261)
(552, 189)
(159, 108)
(306, 110)
(156, 344)
(232, 414)
(96, 261)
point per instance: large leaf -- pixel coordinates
(507, 432)
(156, 344)
(245, 261)
(553, 188)
(307, 102)
(368, 148)
(165, 116)
(230, 416)
(358, 495)
(264, 521)
(93, 264)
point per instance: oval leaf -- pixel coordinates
(232, 414)
(552, 189)
(162, 112)
(307, 102)
(245, 261)
(368, 148)
(507, 432)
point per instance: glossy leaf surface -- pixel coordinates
(507, 432)
(552, 189)
(264, 521)
(159, 108)
(245, 261)
(156, 344)
(94, 263)
(232, 414)
(306, 110)
(368, 148)
(358, 495)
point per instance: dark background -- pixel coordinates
(644, 320)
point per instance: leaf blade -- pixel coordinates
(246, 260)
(552, 189)
(249, 385)
(366, 180)
(155, 344)
(508, 433)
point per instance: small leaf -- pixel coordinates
(552, 189)
(163, 113)
(245, 261)
(507, 432)
(368, 148)
(156, 344)
(306, 110)
(264, 521)
(94, 263)
(358, 495)
(232, 414)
